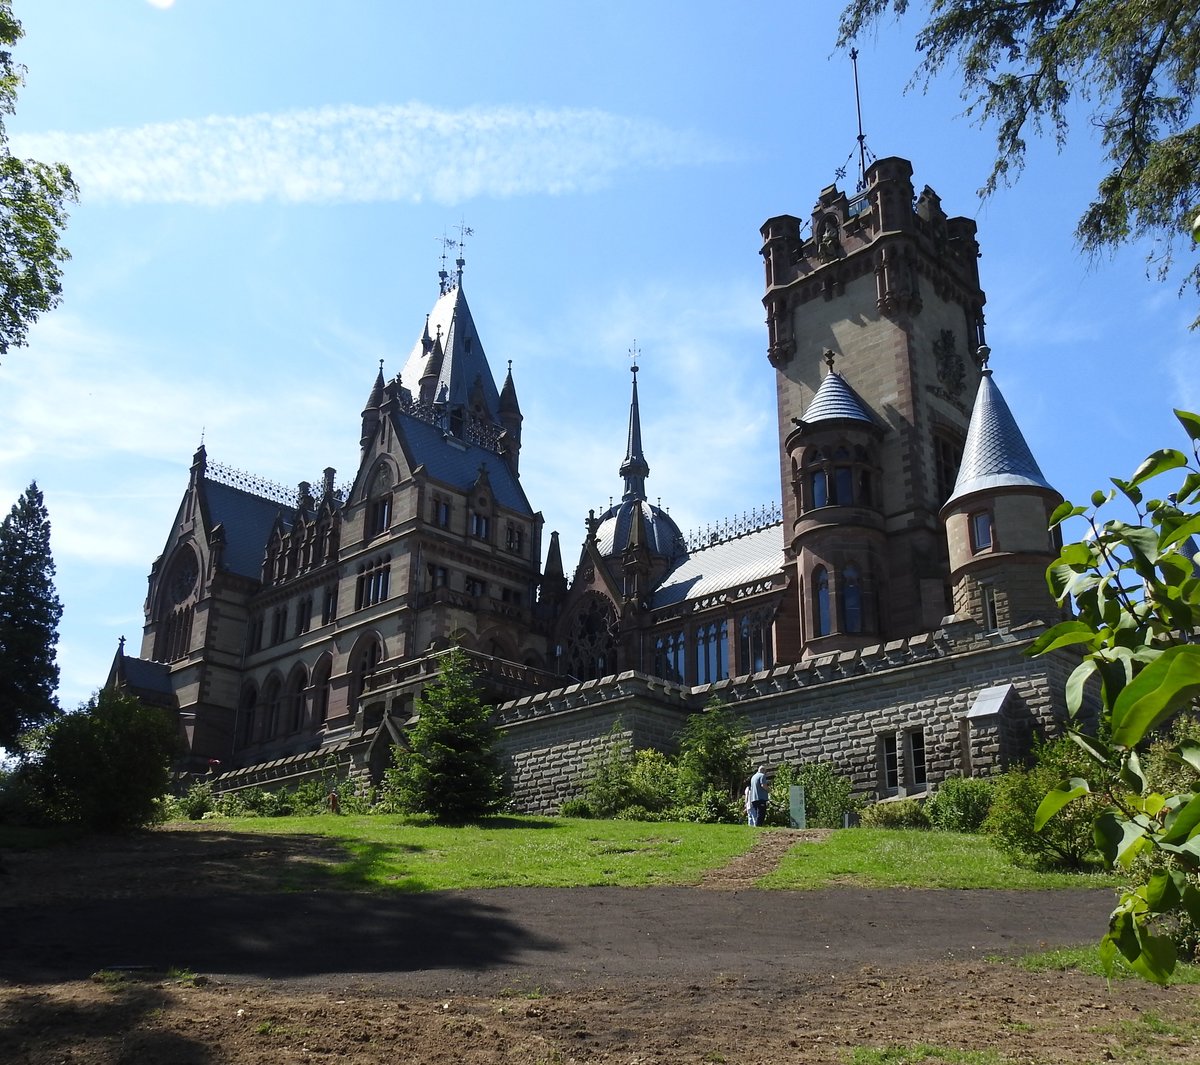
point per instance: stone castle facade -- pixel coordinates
(878, 619)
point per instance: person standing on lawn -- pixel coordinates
(758, 796)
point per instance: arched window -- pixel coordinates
(822, 623)
(852, 616)
(756, 652)
(293, 701)
(669, 656)
(591, 640)
(818, 485)
(366, 660)
(270, 704)
(712, 652)
(320, 690)
(246, 715)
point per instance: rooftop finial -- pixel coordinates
(862, 137)
(984, 353)
(829, 356)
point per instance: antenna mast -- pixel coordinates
(862, 138)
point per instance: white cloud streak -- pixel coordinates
(349, 154)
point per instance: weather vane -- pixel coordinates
(862, 137)
(634, 355)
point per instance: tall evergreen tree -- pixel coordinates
(29, 613)
(450, 768)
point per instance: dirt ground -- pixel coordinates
(722, 972)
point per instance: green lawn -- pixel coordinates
(415, 855)
(880, 857)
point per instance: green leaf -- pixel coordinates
(1063, 511)
(1064, 634)
(1164, 891)
(1131, 774)
(1188, 753)
(1076, 684)
(1066, 792)
(1117, 838)
(1160, 461)
(1157, 958)
(1167, 684)
(1180, 824)
(1190, 423)
(1091, 746)
(1182, 531)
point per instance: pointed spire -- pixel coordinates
(554, 565)
(634, 469)
(508, 394)
(426, 339)
(376, 397)
(835, 400)
(995, 454)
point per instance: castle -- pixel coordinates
(878, 619)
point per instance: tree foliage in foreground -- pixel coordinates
(1133, 61)
(33, 198)
(450, 768)
(104, 767)
(29, 615)
(1136, 587)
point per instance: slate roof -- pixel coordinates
(464, 358)
(731, 563)
(144, 676)
(248, 520)
(835, 401)
(660, 534)
(995, 454)
(456, 462)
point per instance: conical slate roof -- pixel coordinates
(836, 401)
(462, 361)
(995, 454)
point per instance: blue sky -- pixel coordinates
(264, 185)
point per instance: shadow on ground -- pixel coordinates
(263, 935)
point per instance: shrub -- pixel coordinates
(960, 804)
(653, 781)
(828, 796)
(1066, 839)
(895, 813)
(194, 803)
(609, 788)
(104, 767)
(714, 806)
(714, 750)
(577, 807)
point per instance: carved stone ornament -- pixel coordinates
(950, 368)
(829, 247)
(182, 579)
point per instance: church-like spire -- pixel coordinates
(995, 454)
(634, 469)
(508, 395)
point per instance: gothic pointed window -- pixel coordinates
(822, 622)
(591, 640)
(321, 689)
(852, 613)
(755, 651)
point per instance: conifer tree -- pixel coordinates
(29, 613)
(450, 768)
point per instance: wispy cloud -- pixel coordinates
(349, 154)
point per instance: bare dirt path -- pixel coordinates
(730, 973)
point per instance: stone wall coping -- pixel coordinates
(957, 639)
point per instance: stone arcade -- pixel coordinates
(878, 619)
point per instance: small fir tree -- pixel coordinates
(714, 753)
(29, 614)
(450, 768)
